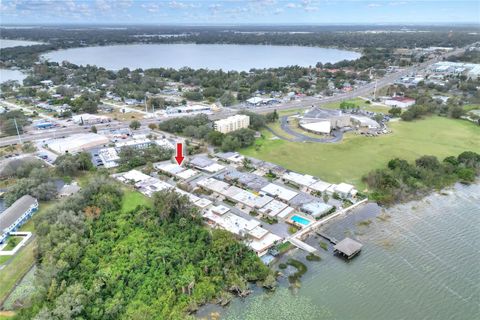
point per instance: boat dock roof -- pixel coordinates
(348, 247)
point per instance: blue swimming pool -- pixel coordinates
(300, 220)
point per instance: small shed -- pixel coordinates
(347, 248)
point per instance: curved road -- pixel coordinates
(299, 137)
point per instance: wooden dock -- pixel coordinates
(332, 240)
(302, 245)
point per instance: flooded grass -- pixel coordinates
(324, 245)
(384, 217)
(364, 223)
(301, 270)
(313, 257)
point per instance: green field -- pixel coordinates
(16, 269)
(336, 105)
(349, 160)
(132, 199)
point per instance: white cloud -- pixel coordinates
(291, 5)
(278, 11)
(310, 8)
(397, 3)
(374, 5)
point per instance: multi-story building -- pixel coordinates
(232, 123)
(16, 215)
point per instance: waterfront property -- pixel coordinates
(16, 215)
(299, 221)
(347, 248)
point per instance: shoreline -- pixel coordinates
(339, 224)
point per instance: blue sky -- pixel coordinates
(238, 12)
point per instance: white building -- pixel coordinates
(232, 123)
(16, 215)
(77, 143)
(87, 118)
(109, 157)
(140, 143)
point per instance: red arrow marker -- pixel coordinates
(179, 157)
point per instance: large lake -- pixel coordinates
(9, 74)
(196, 56)
(422, 262)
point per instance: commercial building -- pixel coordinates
(319, 120)
(16, 215)
(232, 123)
(135, 143)
(109, 157)
(193, 109)
(89, 119)
(400, 102)
(78, 142)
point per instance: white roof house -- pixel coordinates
(273, 208)
(320, 186)
(214, 185)
(304, 180)
(260, 246)
(186, 174)
(220, 209)
(279, 191)
(345, 189)
(285, 213)
(251, 200)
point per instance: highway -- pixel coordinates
(306, 102)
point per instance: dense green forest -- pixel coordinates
(99, 261)
(403, 181)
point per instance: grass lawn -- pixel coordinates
(356, 155)
(16, 269)
(470, 107)
(132, 199)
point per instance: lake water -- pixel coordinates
(5, 43)
(422, 262)
(211, 56)
(8, 74)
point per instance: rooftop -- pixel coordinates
(300, 179)
(15, 211)
(279, 191)
(348, 247)
(319, 113)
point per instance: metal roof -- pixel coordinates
(15, 211)
(318, 113)
(348, 246)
